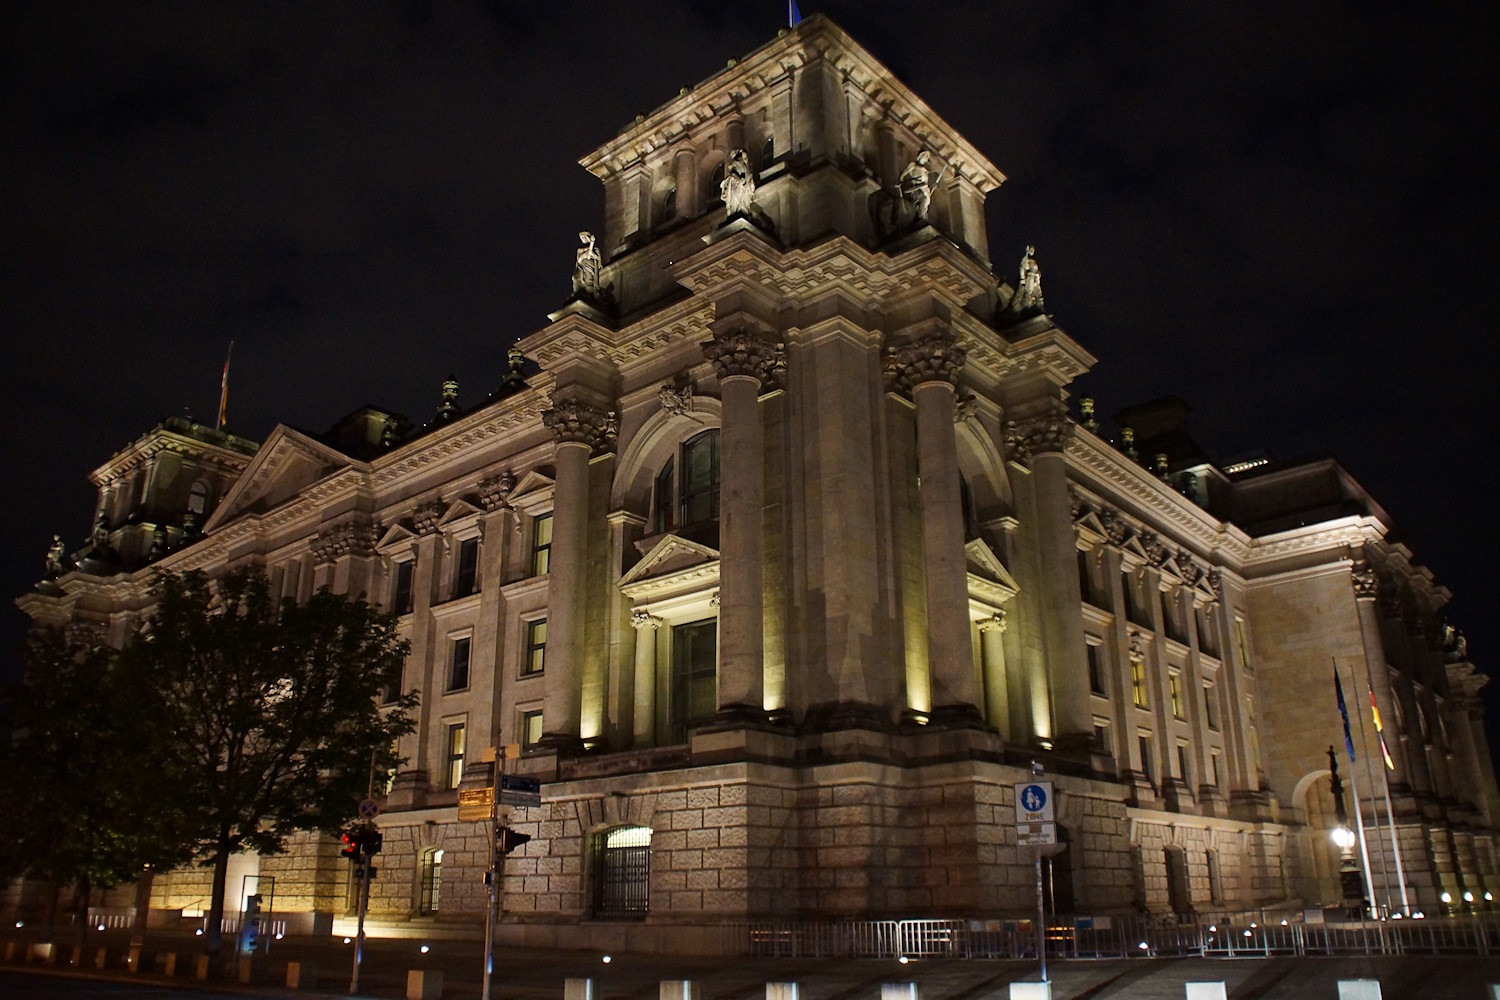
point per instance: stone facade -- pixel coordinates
(793, 553)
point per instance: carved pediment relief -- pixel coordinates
(1092, 531)
(395, 536)
(459, 510)
(284, 467)
(532, 493)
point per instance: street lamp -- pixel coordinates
(1350, 885)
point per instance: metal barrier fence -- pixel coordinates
(1261, 935)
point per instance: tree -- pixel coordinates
(79, 763)
(268, 711)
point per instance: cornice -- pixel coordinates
(523, 410)
(1334, 536)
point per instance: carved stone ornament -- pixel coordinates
(1216, 582)
(1028, 298)
(1076, 507)
(713, 599)
(1191, 571)
(572, 420)
(676, 402)
(1137, 648)
(1156, 552)
(1366, 583)
(937, 358)
(644, 619)
(1017, 442)
(425, 517)
(494, 492)
(738, 186)
(742, 352)
(995, 623)
(1039, 435)
(1115, 528)
(344, 540)
(965, 408)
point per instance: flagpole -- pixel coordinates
(1359, 818)
(1385, 868)
(1385, 781)
(224, 390)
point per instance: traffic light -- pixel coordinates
(373, 841)
(510, 839)
(351, 845)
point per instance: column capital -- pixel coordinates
(1038, 435)
(640, 619)
(934, 358)
(995, 623)
(1365, 581)
(743, 352)
(575, 421)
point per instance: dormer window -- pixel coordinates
(687, 487)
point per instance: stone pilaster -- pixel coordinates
(646, 627)
(744, 361)
(928, 369)
(581, 430)
(996, 690)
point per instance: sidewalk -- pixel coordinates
(537, 975)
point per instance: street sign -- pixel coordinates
(1036, 814)
(475, 803)
(518, 791)
(368, 809)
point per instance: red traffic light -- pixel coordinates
(351, 845)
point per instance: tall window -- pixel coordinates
(1138, 682)
(198, 498)
(687, 487)
(1215, 879)
(1174, 687)
(458, 664)
(622, 871)
(1147, 764)
(1213, 767)
(536, 647)
(1096, 669)
(1085, 576)
(401, 593)
(695, 696)
(468, 567)
(453, 771)
(1210, 707)
(1182, 765)
(430, 881)
(541, 544)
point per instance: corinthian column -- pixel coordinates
(928, 368)
(744, 361)
(580, 430)
(646, 626)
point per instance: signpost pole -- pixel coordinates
(1036, 826)
(493, 878)
(1041, 920)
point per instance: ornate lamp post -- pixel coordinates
(1351, 885)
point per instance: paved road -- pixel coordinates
(536, 975)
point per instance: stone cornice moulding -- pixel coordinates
(1339, 568)
(159, 441)
(771, 66)
(1337, 535)
(512, 414)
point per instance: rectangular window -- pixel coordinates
(1244, 643)
(1182, 765)
(699, 481)
(468, 568)
(531, 729)
(1147, 765)
(458, 664)
(1101, 738)
(1210, 707)
(1085, 577)
(1174, 686)
(662, 505)
(1207, 640)
(541, 545)
(401, 594)
(695, 657)
(1138, 683)
(536, 647)
(454, 772)
(1096, 669)
(1213, 765)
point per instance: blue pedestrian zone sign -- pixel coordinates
(1036, 814)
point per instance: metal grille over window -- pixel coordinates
(622, 871)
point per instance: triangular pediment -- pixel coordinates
(395, 535)
(457, 511)
(1090, 529)
(288, 463)
(672, 555)
(987, 573)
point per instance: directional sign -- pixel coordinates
(368, 809)
(516, 790)
(475, 803)
(1036, 834)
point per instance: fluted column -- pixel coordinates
(1044, 438)
(744, 361)
(646, 626)
(992, 655)
(580, 430)
(928, 368)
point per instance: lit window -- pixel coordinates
(531, 729)
(1174, 687)
(1138, 682)
(536, 647)
(622, 871)
(458, 664)
(687, 487)
(468, 567)
(541, 545)
(454, 773)
(430, 880)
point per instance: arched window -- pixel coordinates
(430, 881)
(715, 194)
(768, 151)
(687, 487)
(669, 205)
(198, 498)
(622, 871)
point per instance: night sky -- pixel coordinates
(1285, 213)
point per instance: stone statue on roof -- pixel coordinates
(738, 186)
(57, 558)
(1029, 287)
(586, 266)
(916, 187)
